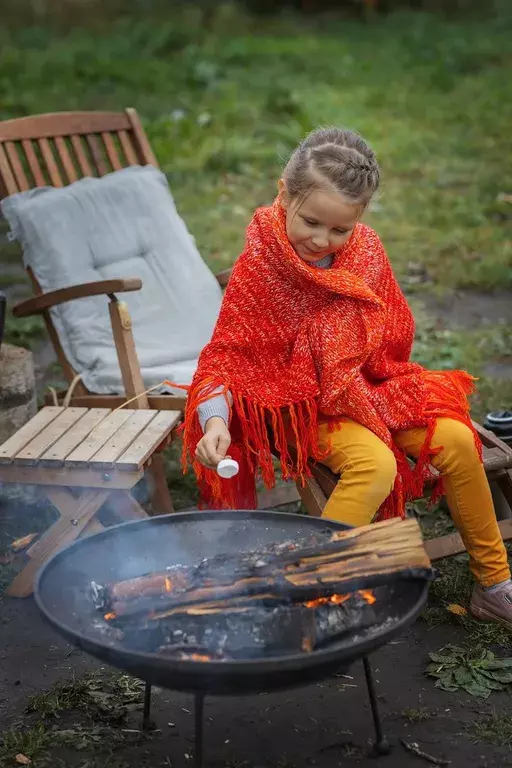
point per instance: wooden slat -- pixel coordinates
(68, 442)
(120, 442)
(83, 162)
(155, 402)
(97, 154)
(33, 163)
(27, 433)
(111, 150)
(126, 144)
(142, 448)
(65, 158)
(76, 478)
(97, 438)
(490, 440)
(51, 165)
(495, 458)
(6, 176)
(141, 139)
(14, 159)
(62, 124)
(31, 453)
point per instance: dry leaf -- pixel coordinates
(20, 544)
(23, 759)
(458, 610)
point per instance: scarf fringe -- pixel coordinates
(259, 432)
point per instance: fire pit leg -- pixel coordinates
(199, 722)
(381, 746)
(147, 725)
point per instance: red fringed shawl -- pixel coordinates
(296, 345)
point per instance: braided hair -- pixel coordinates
(333, 158)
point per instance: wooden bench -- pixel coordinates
(81, 457)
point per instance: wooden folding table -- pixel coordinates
(82, 457)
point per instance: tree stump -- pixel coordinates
(18, 402)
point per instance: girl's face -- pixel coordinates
(319, 225)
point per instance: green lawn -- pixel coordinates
(225, 106)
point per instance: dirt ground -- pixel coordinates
(326, 725)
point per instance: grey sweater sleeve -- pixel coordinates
(215, 406)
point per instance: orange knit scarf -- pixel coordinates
(296, 345)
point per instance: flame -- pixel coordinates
(366, 594)
(109, 616)
(168, 584)
(307, 644)
(195, 656)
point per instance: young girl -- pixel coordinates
(311, 350)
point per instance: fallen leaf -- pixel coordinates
(458, 610)
(23, 759)
(20, 544)
(6, 559)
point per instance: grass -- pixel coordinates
(419, 715)
(453, 586)
(85, 713)
(223, 105)
(495, 729)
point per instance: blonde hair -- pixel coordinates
(336, 158)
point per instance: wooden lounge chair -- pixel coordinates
(56, 150)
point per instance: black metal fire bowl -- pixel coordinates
(132, 549)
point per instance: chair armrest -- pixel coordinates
(223, 277)
(39, 303)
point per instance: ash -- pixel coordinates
(255, 632)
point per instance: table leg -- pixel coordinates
(75, 514)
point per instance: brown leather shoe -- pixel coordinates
(494, 605)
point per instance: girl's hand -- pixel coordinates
(214, 444)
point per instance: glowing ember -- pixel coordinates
(168, 584)
(197, 657)
(109, 616)
(366, 594)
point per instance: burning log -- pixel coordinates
(358, 559)
(253, 631)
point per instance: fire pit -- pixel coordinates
(194, 641)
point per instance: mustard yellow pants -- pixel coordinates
(368, 469)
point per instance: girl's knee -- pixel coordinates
(457, 442)
(379, 465)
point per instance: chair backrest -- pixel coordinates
(59, 148)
